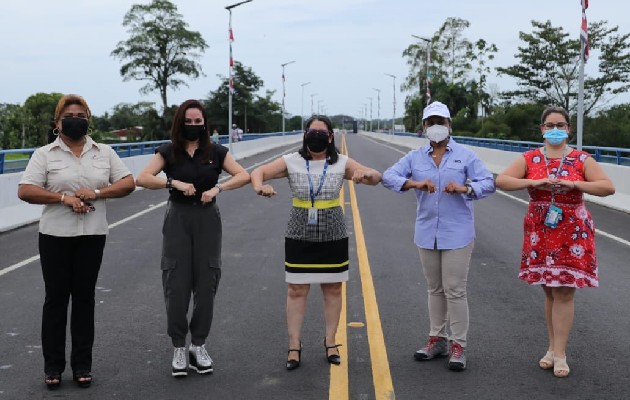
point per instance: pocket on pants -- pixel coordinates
(168, 266)
(168, 263)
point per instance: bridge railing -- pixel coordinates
(611, 155)
(16, 160)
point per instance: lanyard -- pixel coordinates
(310, 182)
(553, 176)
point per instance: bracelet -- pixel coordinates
(219, 186)
(63, 196)
(169, 182)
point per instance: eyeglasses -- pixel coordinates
(559, 125)
(318, 131)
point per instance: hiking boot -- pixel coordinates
(457, 361)
(436, 347)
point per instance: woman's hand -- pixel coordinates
(209, 195)
(561, 185)
(265, 190)
(78, 205)
(361, 176)
(452, 188)
(187, 188)
(541, 184)
(85, 194)
(426, 185)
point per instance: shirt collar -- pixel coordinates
(89, 143)
(450, 146)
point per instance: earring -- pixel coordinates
(55, 131)
(90, 131)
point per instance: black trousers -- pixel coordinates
(70, 267)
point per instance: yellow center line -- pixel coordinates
(339, 389)
(381, 375)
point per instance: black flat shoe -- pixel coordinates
(52, 381)
(83, 379)
(333, 358)
(291, 363)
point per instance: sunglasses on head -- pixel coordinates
(318, 131)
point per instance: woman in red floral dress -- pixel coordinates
(559, 238)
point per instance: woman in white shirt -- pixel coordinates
(72, 177)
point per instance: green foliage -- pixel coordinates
(250, 111)
(10, 126)
(458, 72)
(611, 128)
(160, 49)
(547, 70)
(37, 113)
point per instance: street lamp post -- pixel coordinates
(378, 112)
(371, 118)
(394, 90)
(303, 84)
(428, 80)
(231, 82)
(312, 95)
(284, 93)
(319, 106)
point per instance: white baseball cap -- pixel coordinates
(436, 108)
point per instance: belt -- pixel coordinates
(299, 203)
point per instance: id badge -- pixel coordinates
(553, 216)
(312, 216)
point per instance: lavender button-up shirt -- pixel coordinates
(443, 221)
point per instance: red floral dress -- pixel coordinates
(565, 255)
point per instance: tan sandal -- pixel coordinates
(560, 367)
(547, 361)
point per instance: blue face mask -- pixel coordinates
(555, 136)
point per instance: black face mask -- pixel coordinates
(316, 142)
(74, 128)
(193, 132)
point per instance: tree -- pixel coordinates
(160, 49)
(10, 125)
(548, 68)
(251, 111)
(451, 72)
(37, 113)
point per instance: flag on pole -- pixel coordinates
(584, 31)
(284, 93)
(231, 37)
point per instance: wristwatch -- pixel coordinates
(97, 193)
(469, 190)
(218, 186)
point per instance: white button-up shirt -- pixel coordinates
(54, 167)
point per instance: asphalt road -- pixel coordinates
(132, 353)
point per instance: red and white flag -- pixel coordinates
(584, 30)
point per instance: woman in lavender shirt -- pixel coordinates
(446, 177)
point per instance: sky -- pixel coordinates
(344, 48)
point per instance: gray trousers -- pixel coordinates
(191, 264)
(446, 272)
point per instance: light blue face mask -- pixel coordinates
(555, 136)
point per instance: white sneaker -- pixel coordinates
(199, 359)
(179, 362)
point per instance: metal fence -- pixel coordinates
(17, 159)
(612, 155)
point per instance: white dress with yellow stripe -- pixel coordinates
(316, 253)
